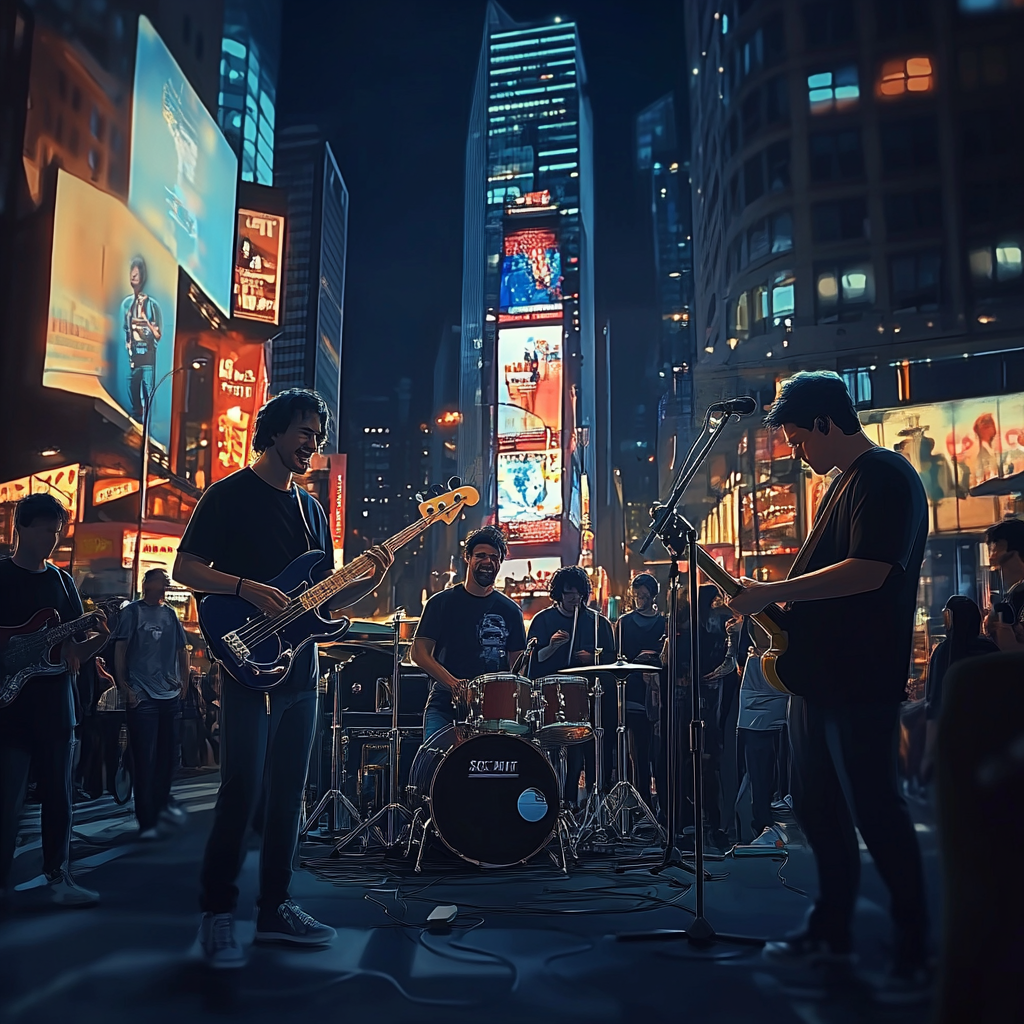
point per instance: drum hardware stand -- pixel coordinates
(593, 821)
(391, 835)
(678, 535)
(334, 799)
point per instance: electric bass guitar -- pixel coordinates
(33, 649)
(257, 649)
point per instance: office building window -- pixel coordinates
(908, 212)
(777, 166)
(840, 221)
(772, 234)
(829, 24)
(776, 100)
(916, 280)
(997, 268)
(906, 76)
(833, 91)
(753, 178)
(836, 156)
(1000, 202)
(741, 316)
(987, 67)
(993, 132)
(758, 307)
(783, 295)
(909, 145)
(858, 383)
(844, 291)
(782, 232)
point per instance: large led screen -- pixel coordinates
(530, 496)
(531, 272)
(113, 289)
(530, 387)
(258, 266)
(183, 172)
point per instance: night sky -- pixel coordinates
(391, 85)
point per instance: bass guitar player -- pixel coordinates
(856, 582)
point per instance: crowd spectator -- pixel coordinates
(111, 717)
(1004, 624)
(211, 698)
(193, 722)
(151, 665)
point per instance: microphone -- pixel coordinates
(742, 406)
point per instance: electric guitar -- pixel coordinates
(33, 649)
(257, 649)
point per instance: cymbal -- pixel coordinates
(615, 667)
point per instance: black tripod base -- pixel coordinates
(700, 933)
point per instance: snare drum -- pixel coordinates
(564, 717)
(499, 702)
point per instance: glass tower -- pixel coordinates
(308, 351)
(250, 59)
(528, 282)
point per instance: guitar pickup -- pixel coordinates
(236, 648)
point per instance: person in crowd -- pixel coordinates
(963, 639)
(1004, 624)
(112, 716)
(193, 722)
(37, 728)
(211, 698)
(151, 666)
(713, 640)
(762, 716)
(641, 634)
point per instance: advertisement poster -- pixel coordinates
(530, 387)
(531, 272)
(530, 495)
(337, 469)
(113, 293)
(183, 172)
(240, 388)
(62, 483)
(257, 288)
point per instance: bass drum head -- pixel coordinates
(494, 800)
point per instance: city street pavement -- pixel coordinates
(528, 945)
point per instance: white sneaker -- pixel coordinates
(772, 840)
(149, 834)
(68, 893)
(218, 942)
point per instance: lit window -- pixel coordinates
(1008, 261)
(844, 289)
(833, 90)
(981, 264)
(858, 383)
(898, 77)
(741, 316)
(783, 295)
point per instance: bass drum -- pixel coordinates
(493, 797)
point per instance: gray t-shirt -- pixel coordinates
(762, 707)
(155, 638)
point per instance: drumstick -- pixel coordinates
(572, 639)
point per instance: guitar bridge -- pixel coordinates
(236, 648)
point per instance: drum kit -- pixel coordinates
(492, 786)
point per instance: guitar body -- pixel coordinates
(265, 663)
(24, 653)
(792, 663)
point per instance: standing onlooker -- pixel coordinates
(211, 698)
(193, 723)
(1006, 556)
(963, 640)
(151, 665)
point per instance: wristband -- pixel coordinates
(238, 586)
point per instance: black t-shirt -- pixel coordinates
(1015, 598)
(45, 707)
(245, 527)
(472, 635)
(881, 516)
(639, 633)
(547, 623)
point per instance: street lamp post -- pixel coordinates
(147, 409)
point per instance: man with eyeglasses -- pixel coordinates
(468, 630)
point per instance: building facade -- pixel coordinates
(307, 353)
(857, 178)
(528, 367)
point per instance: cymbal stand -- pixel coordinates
(334, 799)
(594, 819)
(390, 835)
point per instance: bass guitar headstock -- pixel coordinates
(447, 504)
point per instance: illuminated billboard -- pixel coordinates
(530, 496)
(240, 388)
(529, 387)
(531, 272)
(183, 172)
(258, 266)
(113, 290)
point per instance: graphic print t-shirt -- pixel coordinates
(472, 635)
(154, 637)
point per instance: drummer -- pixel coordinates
(467, 630)
(552, 628)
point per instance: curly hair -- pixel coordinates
(277, 415)
(487, 535)
(569, 577)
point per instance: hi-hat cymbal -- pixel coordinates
(615, 667)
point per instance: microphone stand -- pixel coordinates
(700, 931)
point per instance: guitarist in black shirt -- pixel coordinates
(245, 530)
(860, 573)
(38, 727)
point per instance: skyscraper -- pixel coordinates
(527, 374)
(308, 351)
(250, 60)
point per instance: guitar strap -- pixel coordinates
(820, 521)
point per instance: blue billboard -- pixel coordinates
(183, 172)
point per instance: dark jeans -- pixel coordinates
(140, 387)
(109, 724)
(642, 749)
(845, 773)
(581, 755)
(758, 752)
(254, 745)
(153, 734)
(51, 758)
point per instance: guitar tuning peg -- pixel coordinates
(436, 490)
(453, 482)
(419, 497)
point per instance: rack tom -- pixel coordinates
(499, 702)
(564, 717)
